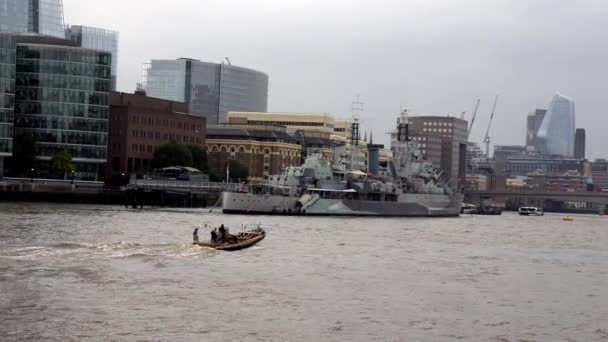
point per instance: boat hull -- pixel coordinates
(408, 205)
(233, 246)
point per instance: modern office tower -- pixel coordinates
(8, 48)
(210, 89)
(62, 99)
(535, 119)
(96, 39)
(34, 16)
(557, 129)
(579, 143)
(443, 141)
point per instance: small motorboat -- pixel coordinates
(568, 218)
(242, 240)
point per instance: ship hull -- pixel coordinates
(408, 205)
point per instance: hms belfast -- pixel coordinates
(411, 187)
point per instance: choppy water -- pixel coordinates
(76, 273)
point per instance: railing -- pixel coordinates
(186, 185)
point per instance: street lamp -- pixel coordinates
(73, 173)
(32, 174)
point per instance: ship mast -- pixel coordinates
(403, 135)
(356, 108)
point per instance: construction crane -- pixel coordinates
(473, 119)
(486, 140)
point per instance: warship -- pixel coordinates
(409, 187)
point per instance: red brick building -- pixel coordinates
(139, 124)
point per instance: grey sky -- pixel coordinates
(435, 57)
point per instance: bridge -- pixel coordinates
(581, 197)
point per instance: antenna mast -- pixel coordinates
(356, 109)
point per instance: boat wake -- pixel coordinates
(118, 249)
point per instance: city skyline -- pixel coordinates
(436, 57)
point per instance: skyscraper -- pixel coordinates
(442, 141)
(579, 143)
(209, 89)
(96, 39)
(535, 119)
(33, 16)
(557, 129)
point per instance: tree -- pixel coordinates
(238, 171)
(172, 155)
(24, 154)
(62, 162)
(199, 158)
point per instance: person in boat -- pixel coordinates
(195, 235)
(214, 235)
(222, 233)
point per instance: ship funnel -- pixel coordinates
(373, 158)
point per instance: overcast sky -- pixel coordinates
(434, 57)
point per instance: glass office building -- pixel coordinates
(209, 89)
(558, 127)
(97, 39)
(62, 98)
(14, 16)
(7, 95)
(33, 16)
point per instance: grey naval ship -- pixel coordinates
(410, 187)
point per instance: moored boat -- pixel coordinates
(409, 186)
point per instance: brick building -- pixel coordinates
(140, 124)
(263, 151)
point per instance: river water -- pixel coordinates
(102, 273)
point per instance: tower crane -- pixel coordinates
(486, 140)
(473, 119)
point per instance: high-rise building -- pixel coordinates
(62, 99)
(443, 141)
(557, 128)
(96, 39)
(34, 16)
(210, 89)
(8, 50)
(535, 119)
(579, 143)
